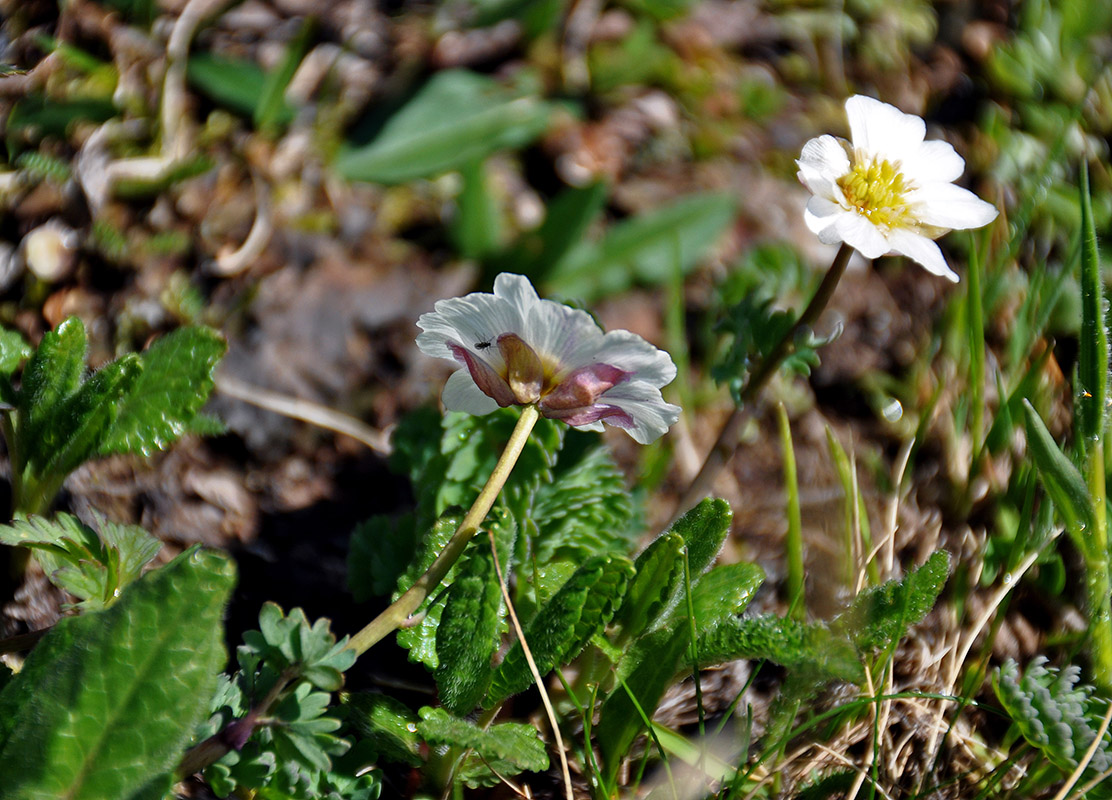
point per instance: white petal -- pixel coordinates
(566, 336)
(652, 417)
(944, 205)
(516, 290)
(932, 162)
(461, 394)
(923, 251)
(862, 235)
(882, 129)
(821, 163)
(820, 214)
(629, 352)
(467, 321)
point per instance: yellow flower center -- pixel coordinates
(878, 190)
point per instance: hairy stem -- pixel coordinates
(399, 611)
(1097, 558)
(726, 443)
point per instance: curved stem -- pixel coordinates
(399, 611)
(726, 443)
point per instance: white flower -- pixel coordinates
(889, 191)
(517, 349)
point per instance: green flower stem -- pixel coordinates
(726, 443)
(400, 610)
(1097, 568)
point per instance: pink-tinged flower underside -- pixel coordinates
(888, 190)
(516, 349)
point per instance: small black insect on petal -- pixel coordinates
(482, 345)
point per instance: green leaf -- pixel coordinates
(272, 110)
(286, 642)
(109, 699)
(93, 567)
(644, 249)
(379, 551)
(176, 382)
(881, 615)
(52, 374)
(723, 593)
(509, 747)
(468, 632)
(585, 510)
(235, 83)
(1059, 476)
(388, 723)
(658, 656)
(564, 625)
(566, 221)
(13, 351)
(704, 530)
(810, 647)
(1054, 713)
(658, 571)
(456, 118)
(476, 228)
(1092, 362)
(83, 420)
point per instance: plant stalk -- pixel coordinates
(1097, 562)
(726, 443)
(400, 610)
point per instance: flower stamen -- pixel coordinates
(877, 189)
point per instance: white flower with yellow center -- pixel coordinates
(517, 349)
(888, 191)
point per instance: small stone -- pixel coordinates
(50, 251)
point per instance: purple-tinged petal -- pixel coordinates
(489, 381)
(583, 387)
(524, 371)
(586, 416)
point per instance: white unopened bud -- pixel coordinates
(50, 251)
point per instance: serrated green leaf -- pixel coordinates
(584, 510)
(176, 382)
(1092, 361)
(286, 642)
(881, 615)
(704, 530)
(468, 632)
(379, 552)
(82, 420)
(388, 724)
(509, 743)
(658, 571)
(456, 118)
(1061, 478)
(647, 248)
(657, 656)
(564, 625)
(723, 593)
(52, 374)
(807, 646)
(108, 699)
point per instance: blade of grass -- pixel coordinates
(793, 545)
